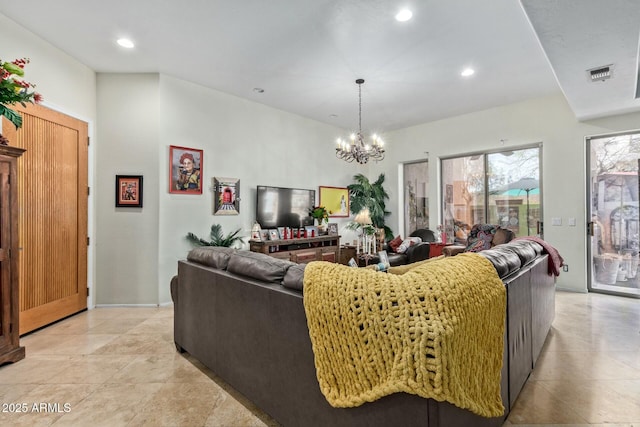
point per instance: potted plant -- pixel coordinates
(320, 214)
(371, 195)
(217, 239)
(14, 90)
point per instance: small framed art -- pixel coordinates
(273, 234)
(227, 196)
(185, 170)
(335, 200)
(332, 229)
(128, 191)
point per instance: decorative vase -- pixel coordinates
(322, 228)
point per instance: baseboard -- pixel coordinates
(125, 305)
(573, 290)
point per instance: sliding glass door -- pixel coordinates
(613, 210)
(501, 188)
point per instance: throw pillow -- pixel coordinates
(395, 243)
(409, 241)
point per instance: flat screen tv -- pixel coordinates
(284, 207)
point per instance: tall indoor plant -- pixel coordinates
(371, 195)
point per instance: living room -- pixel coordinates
(134, 118)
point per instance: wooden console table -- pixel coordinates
(321, 248)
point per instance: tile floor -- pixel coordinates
(118, 367)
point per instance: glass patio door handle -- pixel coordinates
(539, 228)
(590, 229)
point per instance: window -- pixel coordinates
(501, 188)
(416, 202)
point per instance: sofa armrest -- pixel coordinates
(452, 250)
(418, 252)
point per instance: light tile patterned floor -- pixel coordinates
(118, 367)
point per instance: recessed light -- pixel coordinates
(467, 72)
(125, 43)
(258, 90)
(404, 15)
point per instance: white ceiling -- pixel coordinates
(306, 54)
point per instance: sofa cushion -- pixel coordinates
(524, 249)
(213, 256)
(503, 259)
(537, 247)
(294, 277)
(258, 266)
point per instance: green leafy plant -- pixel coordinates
(14, 90)
(217, 239)
(320, 213)
(372, 195)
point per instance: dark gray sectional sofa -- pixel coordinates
(241, 314)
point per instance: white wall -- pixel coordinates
(127, 238)
(547, 120)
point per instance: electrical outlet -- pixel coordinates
(565, 268)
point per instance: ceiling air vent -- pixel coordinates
(600, 73)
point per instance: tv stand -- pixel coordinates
(301, 251)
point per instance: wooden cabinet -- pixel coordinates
(346, 253)
(322, 248)
(10, 350)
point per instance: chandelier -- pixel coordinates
(356, 148)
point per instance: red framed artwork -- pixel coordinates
(335, 200)
(185, 170)
(128, 191)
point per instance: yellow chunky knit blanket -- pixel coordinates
(435, 331)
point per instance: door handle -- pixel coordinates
(590, 229)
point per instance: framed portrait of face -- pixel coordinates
(185, 170)
(128, 191)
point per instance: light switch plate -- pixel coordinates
(572, 222)
(556, 221)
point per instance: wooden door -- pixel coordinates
(53, 196)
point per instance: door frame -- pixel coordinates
(588, 214)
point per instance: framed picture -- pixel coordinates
(384, 258)
(281, 232)
(128, 191)
(335, 200)
(273, 234)
(226, 199)
(185, 170)
(264, 235)
(332, 229)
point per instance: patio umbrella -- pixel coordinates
(527, 185)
